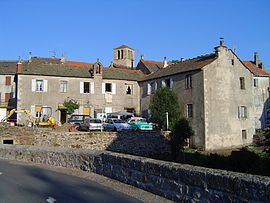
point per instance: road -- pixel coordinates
(27, 183)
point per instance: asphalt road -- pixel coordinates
(21, 183)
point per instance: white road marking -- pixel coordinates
(50, 200)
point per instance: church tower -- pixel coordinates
(123, 57)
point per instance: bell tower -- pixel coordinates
(123, 57)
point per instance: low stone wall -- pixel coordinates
(178, 182)
(148, 144)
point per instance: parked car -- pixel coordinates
(91, 124)
(139, 123)
(77, 119)
(114, 124)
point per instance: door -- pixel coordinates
(63, 116)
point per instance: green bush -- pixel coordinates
(180, 134)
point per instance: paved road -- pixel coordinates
(26, 184)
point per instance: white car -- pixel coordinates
(114, 124)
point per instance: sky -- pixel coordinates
(84, 30)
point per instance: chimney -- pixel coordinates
(19, 67)
(221, 41)
(165, 63)
(62, 58)
(142, 57)
(257, 61)
(30, 57)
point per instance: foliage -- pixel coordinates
(71, 105)
(165, 100)
(174, 61)
(180, 133)
(244, 161)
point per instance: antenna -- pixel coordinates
(53, 52)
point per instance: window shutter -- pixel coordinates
(81, 87)
(33, 85)
(171, 83)
(103, 88)
(148, 89)
(155, 86)
(45, 85)
(113, 88)
(33, 112)
(163, 84)
(92, 88)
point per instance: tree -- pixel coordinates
(174, 61)
(180, 133)
(71, 105)
(165, 100)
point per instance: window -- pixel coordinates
(8, 80)
(152, 86)
(189, 81)
(257, 101)
(39, 85)
(190, 111)
(7, 97)
(63, 86)
(242, 83)
(86, 87)
(244, 134)
(119, 55)
(232, 62)
(38, 110)
(108, 87)
(168, 83)
(255, 83)
(242, 112)
(129, 89)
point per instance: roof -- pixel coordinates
(254, 69)
(183, 66)
(151, 66)
(122, 74)
(8, 67)
(123, 46)
(78, 69)
(78, 64)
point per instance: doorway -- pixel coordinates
(63, 116)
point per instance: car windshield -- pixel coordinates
(76, 118)
(142, 120)
(95, 121)
(118, 121)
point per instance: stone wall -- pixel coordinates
(178, 182)
(147, 144)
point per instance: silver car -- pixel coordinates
(91, 124)
(114, 124)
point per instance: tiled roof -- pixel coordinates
(78, 64)
(183, 66)
(78, 69)
(254, 69)
(123, 46)
(122, 74)
(8, 67)
(151, 66)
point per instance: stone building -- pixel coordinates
(261, 91)
(48, 82)
(216, 94)
(224, 98)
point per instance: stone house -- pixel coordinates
(261, 91)
(48, 82)
(216, 94)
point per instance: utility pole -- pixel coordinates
(167, 120)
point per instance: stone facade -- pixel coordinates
(97, 100)
(178, 182)
(220, 94)
(124, 56)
